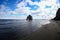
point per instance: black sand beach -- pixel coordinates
(29, 30)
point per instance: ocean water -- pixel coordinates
(17, 29)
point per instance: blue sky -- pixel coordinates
(39, 9)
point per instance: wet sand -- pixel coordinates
(49, 31)
(29, 30)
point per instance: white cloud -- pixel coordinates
(42, 12)
(13, 17)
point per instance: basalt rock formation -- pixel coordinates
(57, 18)
(29, 17)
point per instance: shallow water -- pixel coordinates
(18, 29)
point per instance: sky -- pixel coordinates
(20, 9)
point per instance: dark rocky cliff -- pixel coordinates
(57, 18)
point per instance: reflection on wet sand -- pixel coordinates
(29, 30)
(49, 31)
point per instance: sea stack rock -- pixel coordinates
(57, 18)
(29, 17)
